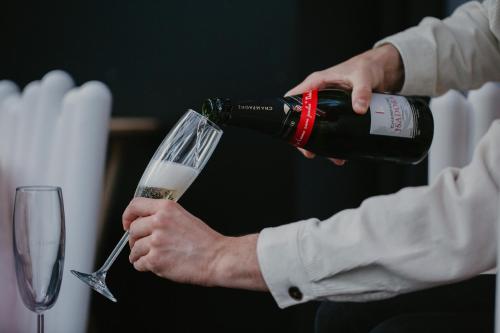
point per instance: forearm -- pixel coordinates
(460, 52)
(414, 239)
(235, 264)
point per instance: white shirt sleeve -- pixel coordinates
(460, 52)
(414, 239)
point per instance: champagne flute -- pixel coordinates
(174, 166)
(39, 239)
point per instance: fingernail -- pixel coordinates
(310, 155)
(360, 104)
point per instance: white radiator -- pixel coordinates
(53, 134)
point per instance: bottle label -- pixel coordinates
(393, 116)
(307, 118)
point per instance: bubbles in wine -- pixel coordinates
(155, 193)
(166, 180)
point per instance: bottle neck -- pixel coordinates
(268, 116)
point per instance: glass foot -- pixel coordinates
(96, 282)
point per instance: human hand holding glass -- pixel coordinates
(174, 166)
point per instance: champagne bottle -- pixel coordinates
(395, 128)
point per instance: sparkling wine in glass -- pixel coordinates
(39, 237)
(174, 166)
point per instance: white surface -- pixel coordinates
(8, 289)
(22, 139)
(486, 105)
(451, 142)
(7, 88)
(62, 140)
(54, 86)
(80, 166)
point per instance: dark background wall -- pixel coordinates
(160, 58)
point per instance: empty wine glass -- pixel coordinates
(39, 238)
(174, 166)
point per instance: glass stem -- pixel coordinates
(114, 254)
(39, 323)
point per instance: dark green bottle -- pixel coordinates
(395, 128)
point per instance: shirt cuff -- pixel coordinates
(281, 264)
(419, 60)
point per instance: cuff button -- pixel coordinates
(295, 293)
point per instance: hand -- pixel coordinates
(379, 69)
(170, 242)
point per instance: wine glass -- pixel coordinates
(39, 237)
(174, 166)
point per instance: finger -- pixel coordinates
(141, 227)
(141, 265)
(338, 162)
(306, 153)
(139, 207)
(140, 249)
(316, 80)
(361, 92)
